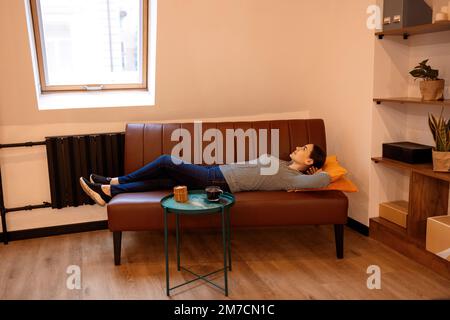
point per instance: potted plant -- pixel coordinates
(432, 88)
(440, 128)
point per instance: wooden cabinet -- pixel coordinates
(428, 197)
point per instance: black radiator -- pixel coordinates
(72, 157)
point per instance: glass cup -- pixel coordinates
(213, 193)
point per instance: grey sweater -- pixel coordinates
(247, 176)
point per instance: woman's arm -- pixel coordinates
(303, 181)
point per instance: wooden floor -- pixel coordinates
(280, 263)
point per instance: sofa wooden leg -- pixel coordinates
(117, 238)
(339, 238)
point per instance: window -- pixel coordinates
(85, 45)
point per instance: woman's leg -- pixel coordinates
(166, 167)
(142, 186)
(192, 176)
(161, 174)
(150, 171)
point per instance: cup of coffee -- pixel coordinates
(213, 193)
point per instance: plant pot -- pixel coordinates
(441, 161)
(432, 90)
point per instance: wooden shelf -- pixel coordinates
(428, 190)
(422, 29)
(428, 194)
(400, 232)
(397, 238)
(405, 100)
(423, 169)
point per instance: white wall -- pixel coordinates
(234, 59)
(341, 91)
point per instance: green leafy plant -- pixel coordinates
(440, 128)
(425, 72)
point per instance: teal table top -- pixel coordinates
(197, 203)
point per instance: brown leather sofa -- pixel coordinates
(142, 211)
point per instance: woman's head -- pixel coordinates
(308, 156)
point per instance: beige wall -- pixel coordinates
(340, 90)
(233, 59)
(214, 59)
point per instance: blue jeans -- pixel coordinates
(163, 174)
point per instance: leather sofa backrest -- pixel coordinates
(145, 142)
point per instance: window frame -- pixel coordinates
(44, 88)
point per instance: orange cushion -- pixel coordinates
(343, 184)
(334, 169)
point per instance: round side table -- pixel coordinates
(198, 204)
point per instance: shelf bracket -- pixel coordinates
(381, 36)
(405, 36)
(378, 102)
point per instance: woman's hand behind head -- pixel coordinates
(313, 170)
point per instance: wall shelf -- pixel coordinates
(411, 31)
(424, 169)
(401, 118)
(406, 100)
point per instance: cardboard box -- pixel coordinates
(438, 236)
(396, 212)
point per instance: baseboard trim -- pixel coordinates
(358, 226)
(56, 230)
(102, 225)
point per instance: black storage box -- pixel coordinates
(408, 152)
(399, 14)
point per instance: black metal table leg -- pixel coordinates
(178, 240)
(225, 249)
(166, 249)
(3, 212)
(4, 227)
(229, 237)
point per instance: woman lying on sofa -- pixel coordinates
(303, 171)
